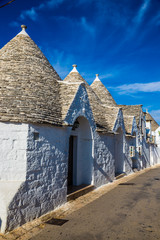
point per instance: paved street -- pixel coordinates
(130, 211)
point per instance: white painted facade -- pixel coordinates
(13, 164)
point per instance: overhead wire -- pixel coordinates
(7, 3)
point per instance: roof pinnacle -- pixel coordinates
(24, 27)
(97, 78)
(74, 68)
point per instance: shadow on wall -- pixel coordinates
(102, 171)
(128, 162)
(146, 160)
(155, 155)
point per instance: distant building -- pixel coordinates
(58, 134)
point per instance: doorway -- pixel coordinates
(119, 155)
(80, 160)
(72, 160)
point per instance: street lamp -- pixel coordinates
(4, 3)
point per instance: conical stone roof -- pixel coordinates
(132, 110)
(102, 92)
(101, 112)
(29, 90)
(74, 76)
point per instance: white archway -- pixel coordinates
(80, 161)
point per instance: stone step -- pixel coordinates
(120, 175)
(80, 192)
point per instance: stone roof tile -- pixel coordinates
(132, 110)
(102, 92)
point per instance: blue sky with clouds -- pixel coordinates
(120, 40)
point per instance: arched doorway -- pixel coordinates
(80, 161)
(119, 155)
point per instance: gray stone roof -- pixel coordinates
(128, 123)
(102, 92)
(67, 94)
(154, 124)
(132, 110)
(104, 116)
(29, 91)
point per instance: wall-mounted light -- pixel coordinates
(75, 125)
(36, 135)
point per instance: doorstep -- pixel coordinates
(80, 192)
(120, 175)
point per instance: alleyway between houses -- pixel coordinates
(128, 210)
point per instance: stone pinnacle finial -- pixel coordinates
(74, 68)
(74, 65)
(24, 27)
(97, 78)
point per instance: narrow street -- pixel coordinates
(130, 211)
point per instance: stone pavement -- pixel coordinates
(33, 228)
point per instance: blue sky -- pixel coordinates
(120, 40)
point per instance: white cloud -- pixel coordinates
(156, 114)
(139, 17)
(32, 14)
(53, 3)
(14, 24)
(86, 26)
(61, 61)
(107, 75)
(139, 87)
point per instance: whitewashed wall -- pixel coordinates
(45, 185)
(128, 160)
(154, 154)
(145, 158)
(13, 163)
(104, 168)
(13, 145)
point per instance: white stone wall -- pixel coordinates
(145, 158)
(13, 145)
(45, 186)
(154, 154)
(128, 160)
(104, 167)
(13, 164)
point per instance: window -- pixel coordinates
(132, 151)
(140, 150)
